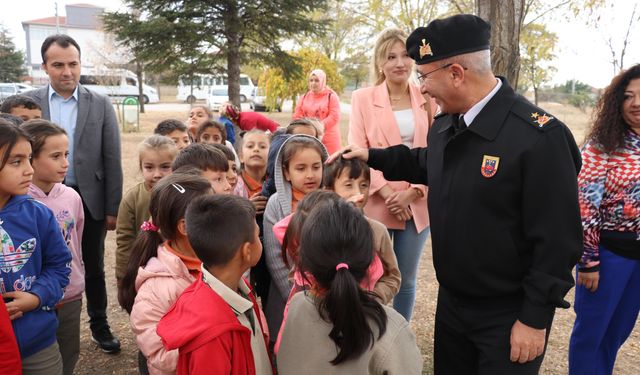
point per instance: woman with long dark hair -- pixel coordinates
(608, 278)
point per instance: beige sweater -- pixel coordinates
(387, 287)
(133, 211)
(306, 346)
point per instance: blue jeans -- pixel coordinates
(606, 317)
(408, 245)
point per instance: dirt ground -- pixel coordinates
(93, 361)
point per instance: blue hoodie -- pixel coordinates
(35, 259)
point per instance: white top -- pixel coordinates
(475, 110)
(406, 125)
(242, 307)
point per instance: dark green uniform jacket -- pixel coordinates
(503, 204)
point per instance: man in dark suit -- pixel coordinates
(503, 204)
(95, 169)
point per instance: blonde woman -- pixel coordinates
(393, 112)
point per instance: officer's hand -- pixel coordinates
(527, 343)
(589, 280)
(110, 222)
(350, 152)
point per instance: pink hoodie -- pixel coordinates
(159, 284)
(66, 205)
(324, 106)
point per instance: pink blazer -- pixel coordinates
(373, 125)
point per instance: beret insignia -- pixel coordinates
(425, 49)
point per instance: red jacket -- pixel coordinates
(208, 334)
(9, 355)
(252, 120)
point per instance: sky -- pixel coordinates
(582, 51)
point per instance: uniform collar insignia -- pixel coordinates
(541, 119)
(425, 49)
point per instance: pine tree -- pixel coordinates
(193, 36)
(11, 60)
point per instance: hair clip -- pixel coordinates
(179, 187)
(148, 226)
(341, 266)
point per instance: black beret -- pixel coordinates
(455, 35)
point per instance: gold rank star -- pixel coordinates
(535, 115)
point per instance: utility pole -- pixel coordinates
(57, 19)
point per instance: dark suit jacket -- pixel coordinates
(96, 159)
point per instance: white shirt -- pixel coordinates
(475, 110)
(406, 126)
(240, 307)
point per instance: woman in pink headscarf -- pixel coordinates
(322, 103)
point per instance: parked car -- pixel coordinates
(259, 99)
(203, 83)
(8, 89)
(216, 97)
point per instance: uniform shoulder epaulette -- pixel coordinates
(533, 115)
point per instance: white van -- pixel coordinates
(119, 83)
(204, 83)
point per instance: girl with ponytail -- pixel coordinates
(336, 326)
(161, 266)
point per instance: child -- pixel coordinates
(308, 126)
(175, 130)
(297, 172)
(211, 162)
(211, 132)
(50, 147)
(350, 179)
(346, 329)
(21, 106)
(246, 120)
(9, 353)
(232, 173)
(162, 265)
(311, 127)
(253, 155)
(216, 324)
(198, 114)
(34, 270)
(155, 156)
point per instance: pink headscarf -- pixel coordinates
(322, 77)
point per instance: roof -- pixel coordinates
(84, 5)
(47, 21)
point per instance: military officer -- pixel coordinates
(503, 204)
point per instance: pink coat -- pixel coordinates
(325, 106)
(159, 284)
(373, 125)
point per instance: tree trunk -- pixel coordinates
(233, 28)
(535, 95)
(506, 19)
(140, 83)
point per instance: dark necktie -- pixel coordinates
(458, 123)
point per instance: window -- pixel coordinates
(132, 82)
